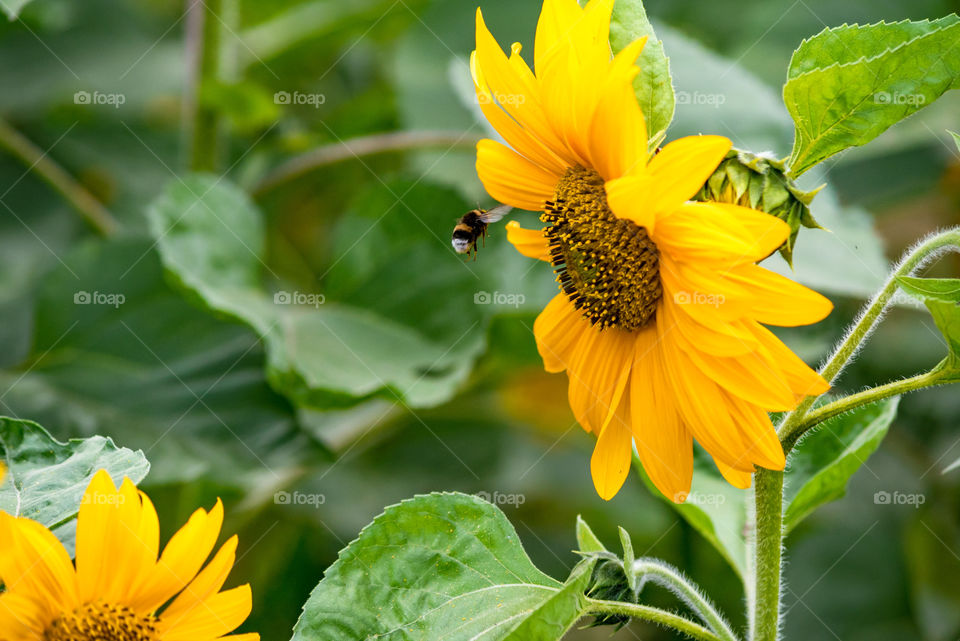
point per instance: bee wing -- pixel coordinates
(495, 214)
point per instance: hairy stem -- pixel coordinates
(667, 576)
(768, 496)
(794, 424)
(872, 395)
(654, 615)
(203, 51)
(362, 146)
(57, 177)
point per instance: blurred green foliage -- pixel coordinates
(196, 385)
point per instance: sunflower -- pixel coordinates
(118, 588)
(659, 322)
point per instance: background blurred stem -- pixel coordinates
(203, 55)
(654, 615)
(362, 146)
(54, 175)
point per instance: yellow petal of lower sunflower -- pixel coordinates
(612, 454)
(511, 178)
(681, 168)
(558, 329)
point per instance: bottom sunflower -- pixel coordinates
(119, 589)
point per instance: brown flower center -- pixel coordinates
(102, 622)
(608, 266)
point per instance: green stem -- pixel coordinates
(768, 492)
(203, 47)
(872, 395)
(793, 425)
(654, 615)
(362, 146)
(768, 497)
(665, 575)
(57, 177)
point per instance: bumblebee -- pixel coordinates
(472, 227)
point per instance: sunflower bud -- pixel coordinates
(610, 583)
(759, 182)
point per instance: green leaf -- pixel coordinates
(46, 479)
(320, 353)
(441, 566)
(847, 85)
(653, 85)
(714, 508)
(153, 372)
(822, 464)
(587, 541)
(942, 298)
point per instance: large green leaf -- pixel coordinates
(942, 298)
(442, 566)
(848, 84)
(714, 508)
(46, 479)
(822, 464)
(653, 85)
(320, 353)
(153, 372)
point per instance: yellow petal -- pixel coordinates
(96, 523)
(803, 380)
(618, 131)
(630, 198)
(737, 478)
(206, 584)
(557, 19)
(33, 562)
(182, 558)
(511, 178)
(681, 168)
(610, 462)
(598, 374)
(529, 242)
(663, 443)
(777, 300)
(221, 613)
(558, 329)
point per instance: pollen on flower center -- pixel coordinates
(102, 622)
(607, 266)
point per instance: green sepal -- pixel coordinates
(760, 182)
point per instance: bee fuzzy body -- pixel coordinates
(472, 226)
